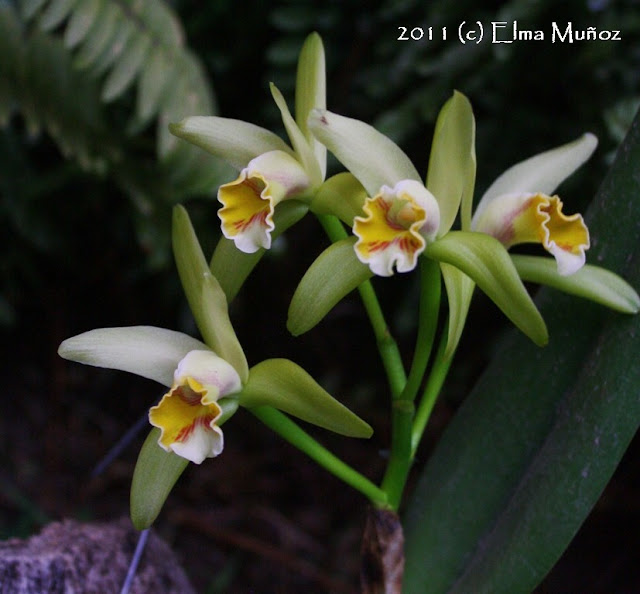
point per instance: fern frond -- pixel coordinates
(110, 45)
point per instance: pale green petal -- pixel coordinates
(342, 195)
(311, 92)
(372, 157)
(486, 261)
(286, 386)
(591, 282)
(206, 298)
(147, 351)
(452, 164)
(235, 141)
(459, 293)
(302, 148)
(334, 274)
(543, 173)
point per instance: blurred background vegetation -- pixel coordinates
(89, 174)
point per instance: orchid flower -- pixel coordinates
(271, 171)
(400, 215)
(519, 208)
(207, 380)
(403, 218)
(203, 387)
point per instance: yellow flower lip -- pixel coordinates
(187, 414)
(250, 201)
(398, 223)
(537, 218)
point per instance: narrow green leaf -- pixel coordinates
(232, 267)
(452, 163)
(54, 13)
(100, 37)
(156, 75)
(127, 66)
(591, 282)
(531, 449)
(205, 295)
(334, 274)
(81, 21)
(311, 92)
(286, 386)
(155, 474)
(484, 259)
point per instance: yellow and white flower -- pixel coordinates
(190, 412)
(270, 170)
(519, 207)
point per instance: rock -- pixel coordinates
(73, 558)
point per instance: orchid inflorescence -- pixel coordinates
(400, 222)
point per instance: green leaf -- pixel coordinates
(484, 259)
(452, 164)
(232, 267)
(206, 298)
(81, 21)
(282, 384)
(334, 274)
(531, 449)
(311, 92)
(155, 474)
(591, 282)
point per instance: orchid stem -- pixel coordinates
(403, 407)
(387, 346)
(299, 438)
(437, 376)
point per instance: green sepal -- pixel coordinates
(155, 474)
(486, 261)
(231, 267)
(282, 384)
(452, 163)
(334, 274)
(235, 141)
(206, 298)
(303, 151)
(591, 282)
(342, 196)
(311, 91)
(459, 293)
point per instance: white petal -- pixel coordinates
(542, 173)
(209, 370)
(147, 351)
(204, 442)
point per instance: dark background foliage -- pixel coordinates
(86, 245)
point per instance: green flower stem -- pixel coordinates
(403, 408)
(400, 460)
(290, 431)
(387, 346)
(437, 376)
(430, 290)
